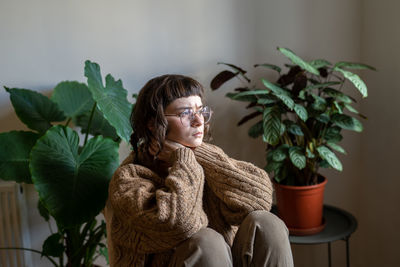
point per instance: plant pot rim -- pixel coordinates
(302, 187)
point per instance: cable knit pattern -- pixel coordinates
(148, 215)
(240, 186)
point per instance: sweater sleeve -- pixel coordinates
(149, 219)
(241, 186)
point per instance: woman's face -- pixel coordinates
(186, 132)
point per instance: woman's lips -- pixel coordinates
(198, 134)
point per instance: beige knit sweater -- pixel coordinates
(148, 214)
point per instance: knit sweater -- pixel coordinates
(148, 214)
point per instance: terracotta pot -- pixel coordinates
(301, 207)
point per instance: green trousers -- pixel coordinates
(262, 240)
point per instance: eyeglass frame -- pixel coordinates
(198, 112)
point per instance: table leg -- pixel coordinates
(329, 254)
(347, 252)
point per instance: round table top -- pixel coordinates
(340, 224)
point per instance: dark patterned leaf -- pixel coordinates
(272, 125)
(249, 117)
(221, 78)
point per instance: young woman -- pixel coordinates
(178, 201)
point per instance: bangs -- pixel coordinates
(179, 87)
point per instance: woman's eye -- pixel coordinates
(186, 113)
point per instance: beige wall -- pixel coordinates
(43, 42)
(379, 195)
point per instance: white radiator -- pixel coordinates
(14, 231)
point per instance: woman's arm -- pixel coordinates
(151, 220)
(241, 186)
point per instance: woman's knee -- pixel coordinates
(209, 240)
(205, 248)
(267, 219)
(269, 226)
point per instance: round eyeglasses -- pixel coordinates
(188, 115)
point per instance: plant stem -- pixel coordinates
(90, 122)
(32, 250)
(68, 121)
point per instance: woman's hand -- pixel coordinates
(167, 151)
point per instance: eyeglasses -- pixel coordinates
(188, 115)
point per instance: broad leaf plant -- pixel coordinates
(70, 175)
(300, 116)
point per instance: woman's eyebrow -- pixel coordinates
(179, 108)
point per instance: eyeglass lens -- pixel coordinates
(189, 116)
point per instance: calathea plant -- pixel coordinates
(300, 115)
(70, 175)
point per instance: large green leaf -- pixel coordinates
(272, 125)
(245, 98)
(351, 65)
(275, 88)
(73, 186)
(301, 112)
(280, 93)
(14, 155)
(251, 92)
(336, 147)
(330, 157)
(324, 164)
(73, 98)
(281, 174)
(321, 85)
(265, 100)
(99, 125)
(297, 157)
(256, 130)
(111, 99)
(323, 117)
(338, 107)
(346, 122)
(351, 108)
(333, 134)
(298, 61)
(356, 80)
(293, 128)
(53, 245)
(43, 211)
(280, 153)
(269, 66)
(309, 154)
(248, 96)
(319, 103)
(273, 166)
(35, 110)
(319, 63)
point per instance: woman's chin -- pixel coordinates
(194, 143)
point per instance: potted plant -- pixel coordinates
(300, 117)
(70, 175)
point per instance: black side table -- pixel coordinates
(340, 224)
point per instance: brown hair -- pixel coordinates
(151, 102)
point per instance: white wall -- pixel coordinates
(46, 41)
(43, 42)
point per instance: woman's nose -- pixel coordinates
(197, 119)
